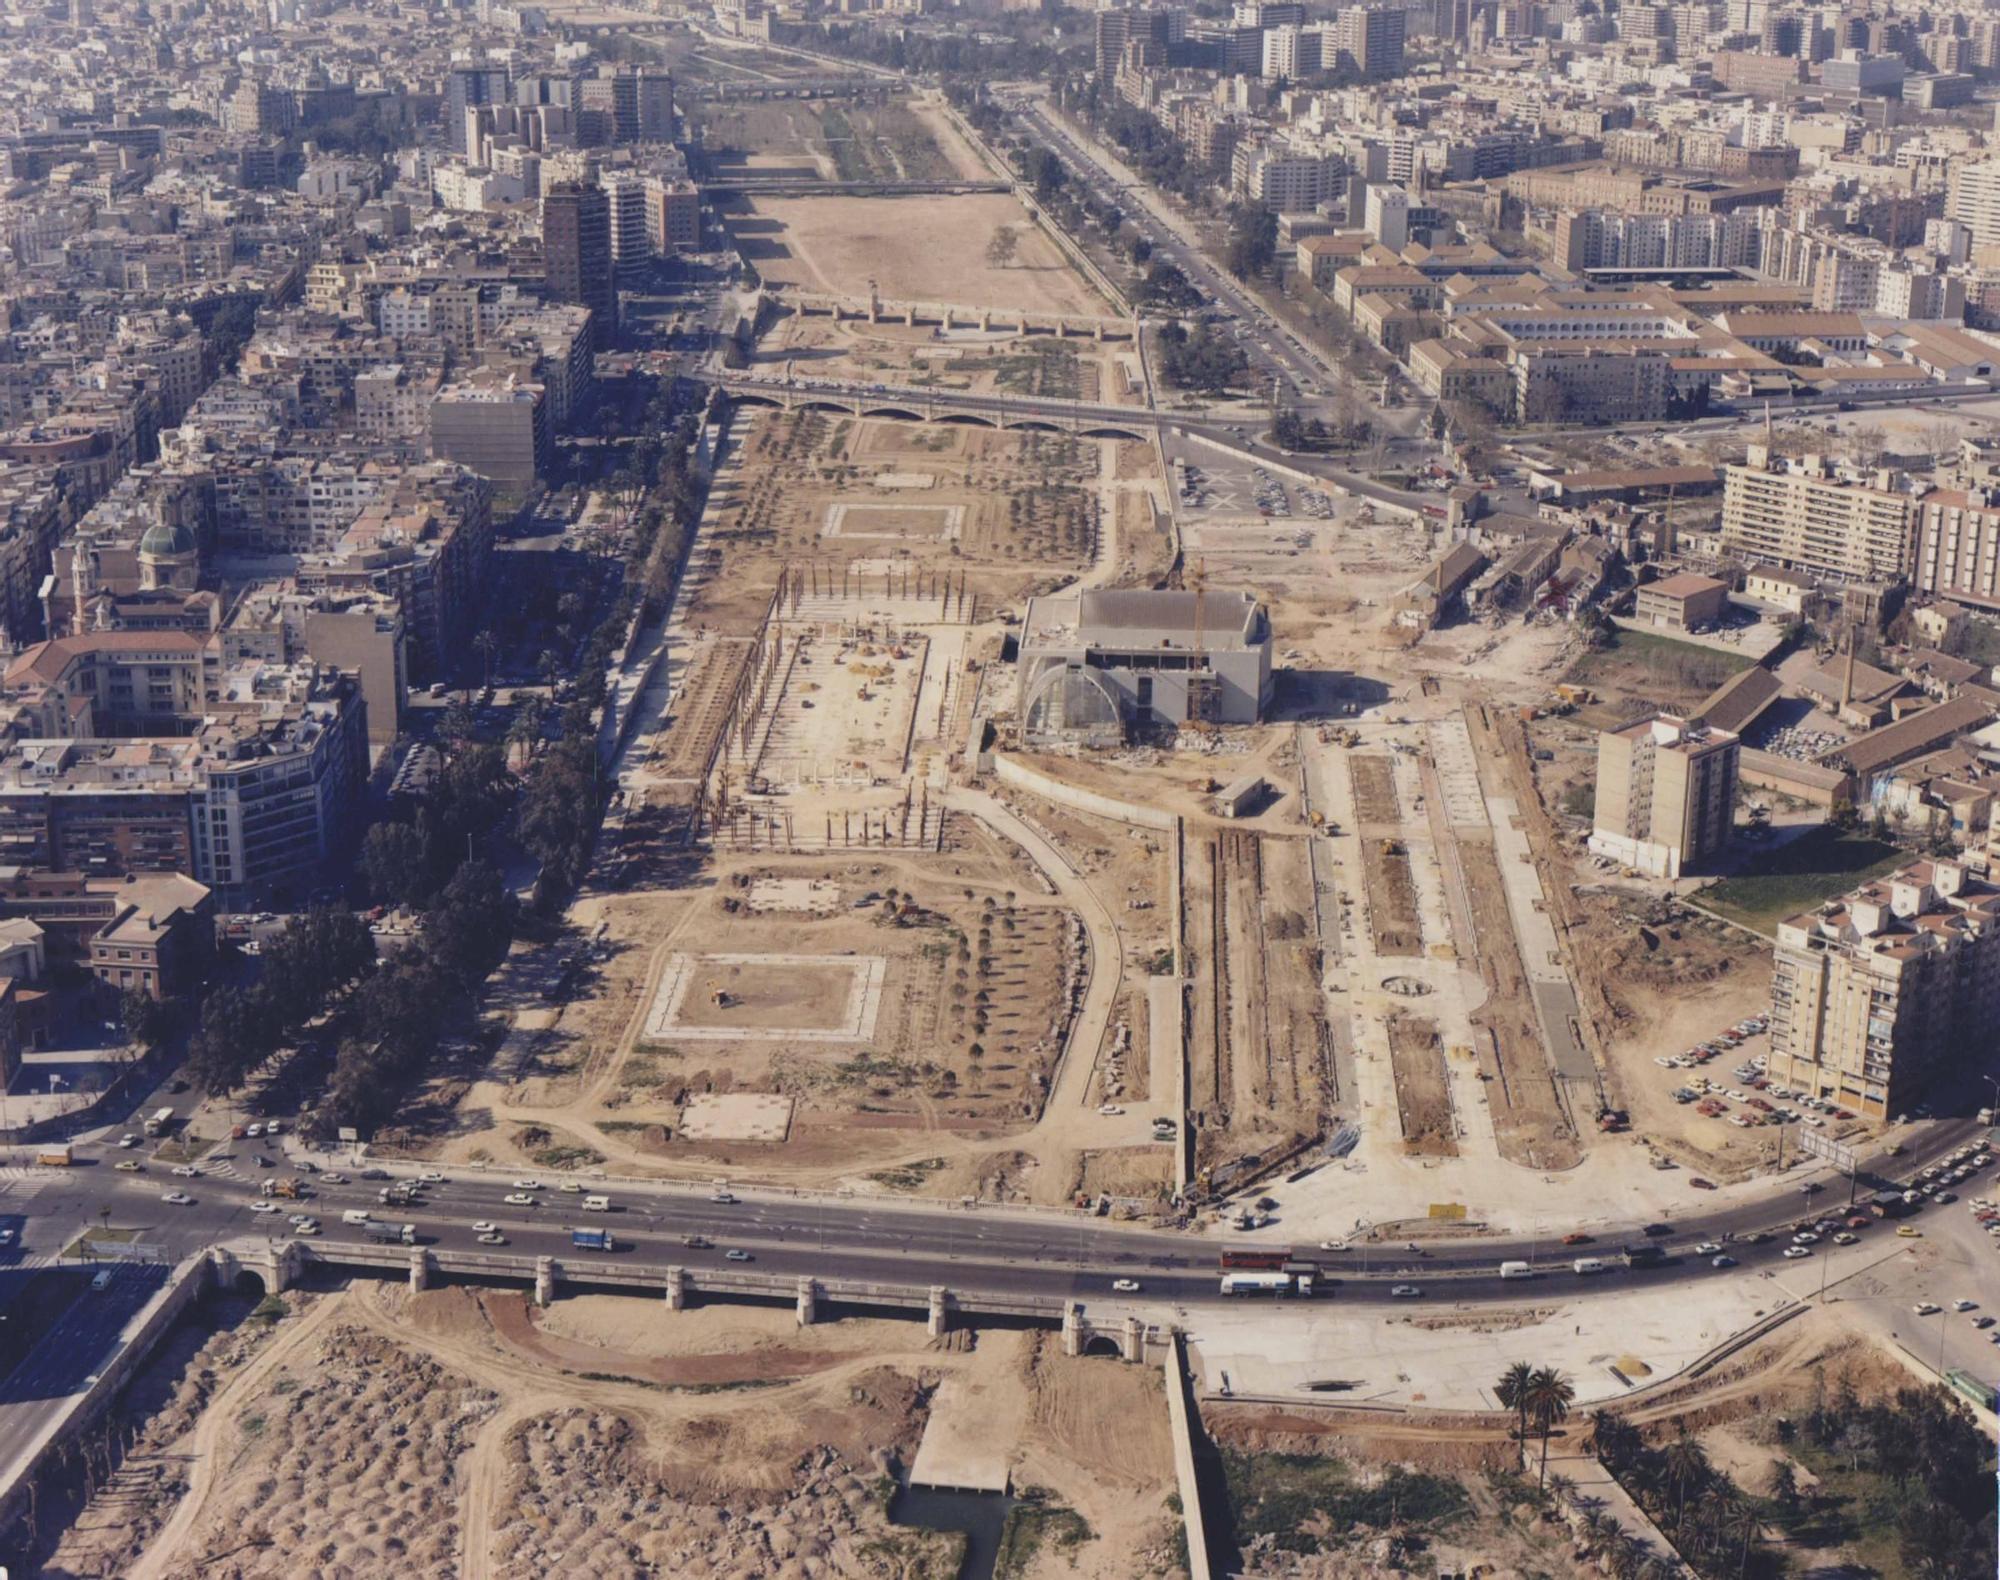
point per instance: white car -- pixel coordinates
(493, 1237)
(431, 1177)
(1405, 1292)
(736, 1256)
(571, 1187)
(128, 1166)
(527, 1184)
(253, 1131)
(309, 1227)
(1845, 1238)
(1110, 1110)
(264, 1208)
(519, 1198)
(1926, 1308)
(330, 1178)
(1794, 1252)
(483, 1227)
(128, 1140)
(1125, 1286)
(1333, 1245)
(1708, 1248)
(187, 1171)
(1965, 1305)
(1805, 1237)
(178, 1198)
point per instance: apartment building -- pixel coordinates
(1958, 546)
(1973, 199)
(1666, 793)
(1881, 994)
(1806, 516)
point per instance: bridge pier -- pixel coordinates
(1098, 332)
(677, 1289)
(420, 1271)
(940, 1317)
(545, 1280)
(986, 321)
(1072, 1327)
(910, 315)
(808, 1294)
(1135, 1340)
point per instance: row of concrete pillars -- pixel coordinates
(1076, 1336)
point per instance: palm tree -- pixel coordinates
(1686, 1466)
(1784, 1485)
(1741, 1524)
(1560, 1488)
(1549, 1397)
(1612, 1439)
(1512, 1391)
(487, 646)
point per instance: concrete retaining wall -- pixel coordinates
(1022, 777)
(1180, 1416)
(153, 1319)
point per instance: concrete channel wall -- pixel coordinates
(1022, 777)
(1180, 1415)
(83, 1410)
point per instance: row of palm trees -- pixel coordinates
(1710, 1522)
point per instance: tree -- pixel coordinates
(487, 646)
(395, 864)
(146, 1019)
(1784, 1487)
(1002, 246)
(1687, 1469)
(1549, 1396)
(1512, 1392)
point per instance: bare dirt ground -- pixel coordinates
(463, 1433)
(1529, 1124)
(915, 249)
(1392, 898)
(1423, 1099)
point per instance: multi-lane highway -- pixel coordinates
(988, 1249)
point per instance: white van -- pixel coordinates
(1588, 1264)
(1516, 1270)
(597, 1204)
(354, 1215)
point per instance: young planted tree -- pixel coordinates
(1001, 247)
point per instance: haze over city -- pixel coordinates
(997, 792)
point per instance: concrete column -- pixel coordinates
(1072, 1327)
(807, 1294)
(420, 1270)
(677, 1289)
(874, 312)
(545, 1280)
(986, 320)
(940, 1311)
(910, 315)
(1135, 1339)
(1098, 332)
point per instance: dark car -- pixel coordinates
(1658, 1231)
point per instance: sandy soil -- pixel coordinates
(921, 249)
(455, 1433)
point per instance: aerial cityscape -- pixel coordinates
(988, 791)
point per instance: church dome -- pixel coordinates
(164, 542)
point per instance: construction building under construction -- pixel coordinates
(1099, 666)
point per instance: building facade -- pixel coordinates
(1666, 795)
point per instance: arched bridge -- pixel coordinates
(904, 403)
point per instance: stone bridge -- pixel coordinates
(1025, 414)
(947, 315)
(280, 1264)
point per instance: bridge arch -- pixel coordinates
(754, 398)
(891, 413)
(1035, 425)
(1107, 433)
(1102, 1343)
(964, 419)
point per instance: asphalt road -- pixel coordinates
(838, 1237)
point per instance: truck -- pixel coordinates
(55, 1155)
(401, 1233)
(285, 1189)
(593, 1240)
(1255, 1258)
(158, 1121)
(1645, 1255)
(1278, 1284)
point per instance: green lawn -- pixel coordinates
(1797, 876)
